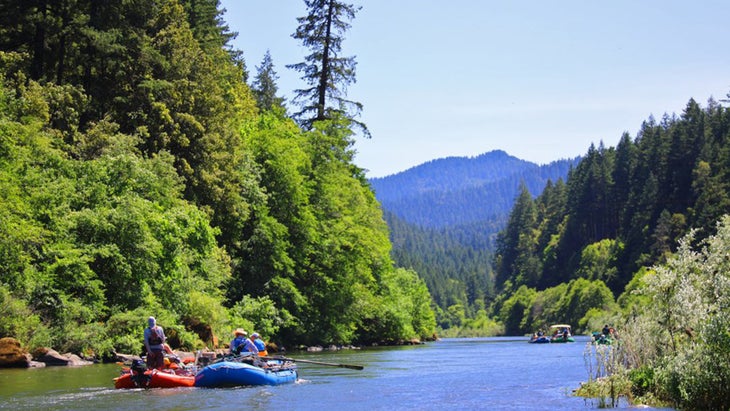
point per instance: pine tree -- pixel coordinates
(205, 18)
(515, 244)
(264, 86)
(325, 71)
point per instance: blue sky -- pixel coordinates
(541, 80)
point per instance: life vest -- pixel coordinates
(260, 345)
(155, 337)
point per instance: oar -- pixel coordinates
(353, 367)
(233, 357)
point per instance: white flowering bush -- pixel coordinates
(684, 333)
(674, 344)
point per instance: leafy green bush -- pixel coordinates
(679, 343)
(516, 309)
(126, 330)
(608, 390)
(19, 322)
(642, 380)
(258, 314)
(88, 340)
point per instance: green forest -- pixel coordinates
(637, 237)
(621, 210)
(444, 216)
(144, 171)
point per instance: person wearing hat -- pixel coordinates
(259, 343)
(241, 343)
(154, 342)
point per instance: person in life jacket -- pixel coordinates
(154, 342)
(260, 344)
(241, 343)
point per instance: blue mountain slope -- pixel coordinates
(463, 190)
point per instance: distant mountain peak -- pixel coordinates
(494, 156)
(450, 174)
(455, 190)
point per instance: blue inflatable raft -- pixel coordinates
(232, 374)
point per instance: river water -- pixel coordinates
(499, 373)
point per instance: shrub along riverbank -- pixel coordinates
(674, 345)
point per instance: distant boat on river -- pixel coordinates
(561, 333)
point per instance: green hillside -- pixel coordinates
(141, 175)
(637, 238)
(444, 217)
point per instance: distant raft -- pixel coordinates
(239, 373)
(601, 339)
(561, 334)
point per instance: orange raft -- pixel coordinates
(139, 377)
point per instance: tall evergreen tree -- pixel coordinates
(515, 244)
(326, 72)
(626, 158)
(205, 18)
(264, 86)
(48, 31)
(552, 213)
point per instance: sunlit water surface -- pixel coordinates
(466, 374)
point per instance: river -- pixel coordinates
(500, 373)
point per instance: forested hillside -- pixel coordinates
(444, 217)
(461, 191)
(622, 209)
(638, 237)
(141, 175)
(455, 262)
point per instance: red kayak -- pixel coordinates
(138, 376)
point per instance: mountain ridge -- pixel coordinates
(461, 190)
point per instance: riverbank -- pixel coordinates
(12, 355)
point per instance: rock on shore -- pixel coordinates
(52, 357)
(12, 355)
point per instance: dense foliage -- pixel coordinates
(621, 208)
(444, 216)
(455, 264)
(139, 177)
(689, 320)
(639, 221)
(675, 344)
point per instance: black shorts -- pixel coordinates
(156, 359)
